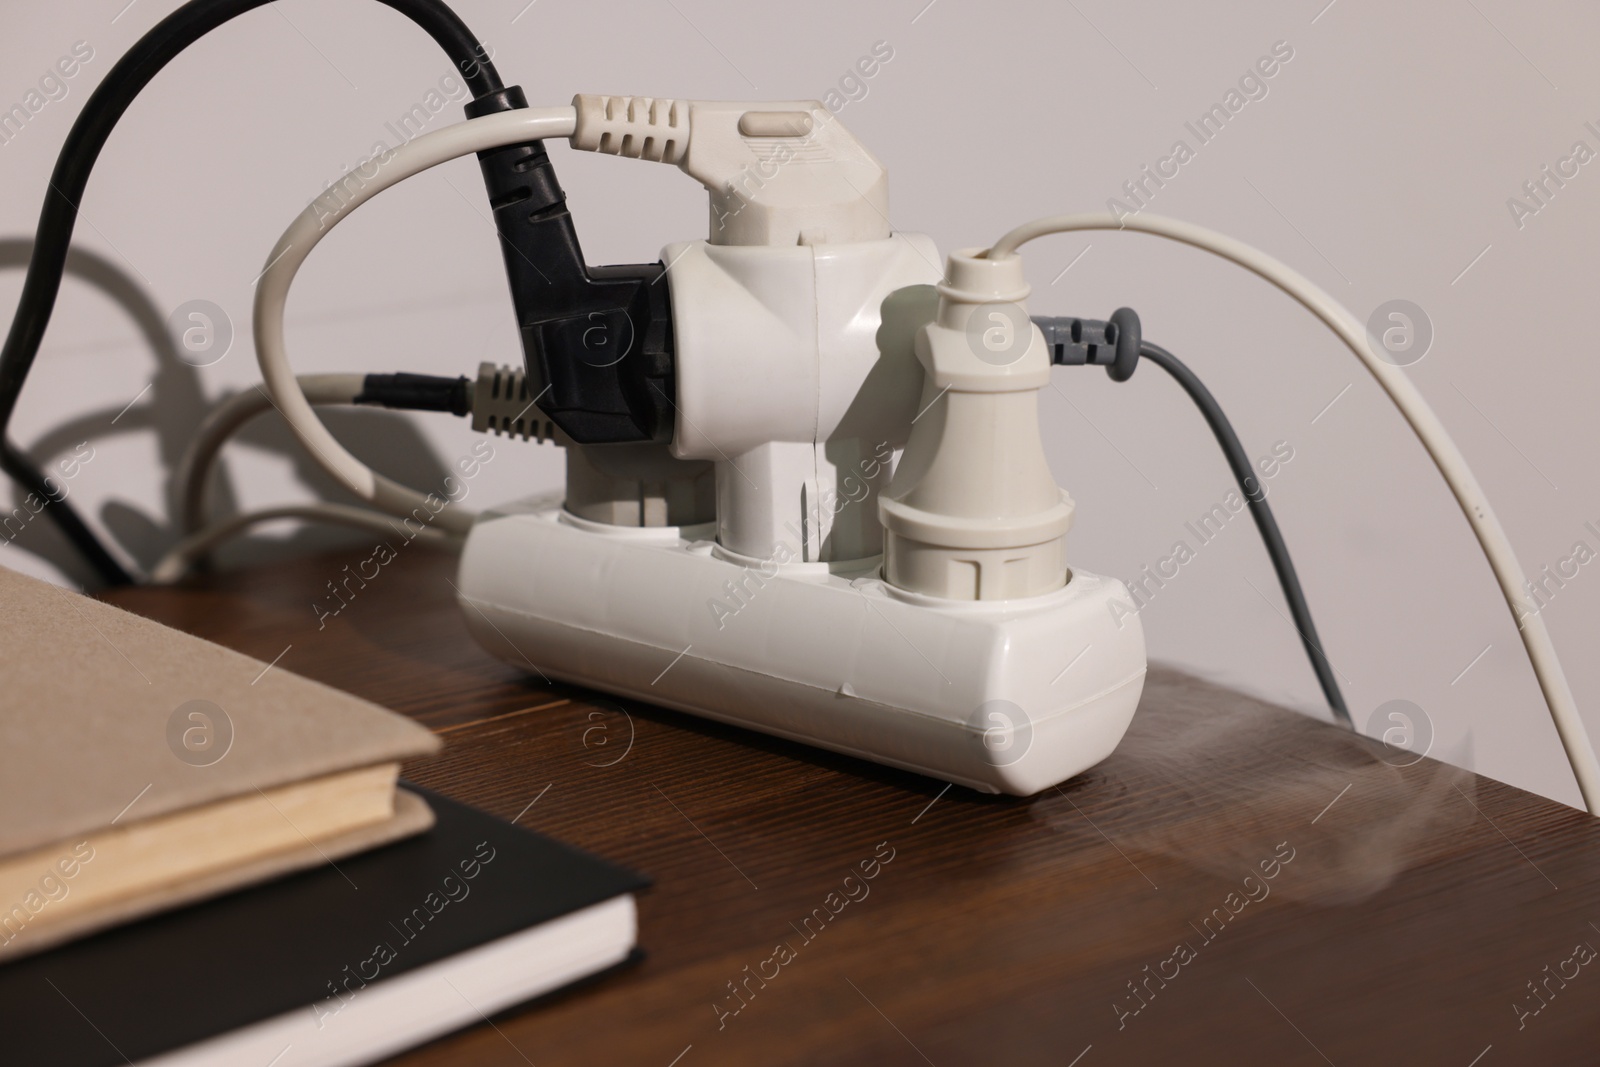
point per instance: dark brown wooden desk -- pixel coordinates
(1418, 905)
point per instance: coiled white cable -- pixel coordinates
(193, 475)
(193, 472)
(312, 224)
(1446, 456)
(182, 557)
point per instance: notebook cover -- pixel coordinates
(96, 726)
(169, 981)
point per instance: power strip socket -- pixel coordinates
(1000, 696)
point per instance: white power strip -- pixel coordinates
(800, 331)
(1001, 696)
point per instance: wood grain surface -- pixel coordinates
(1238, 884)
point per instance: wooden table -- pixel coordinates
(1124, 918)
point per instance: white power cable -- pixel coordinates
(1446, 456)
(182, 556)
(345, 195)
(192, 476)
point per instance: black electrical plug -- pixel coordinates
(597, 341)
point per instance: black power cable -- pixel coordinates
(87, 137)
(1261, 511)
(417, 392)
(1118, 345)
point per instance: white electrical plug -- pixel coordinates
(778, 174)
(973, 512)
(781, 379)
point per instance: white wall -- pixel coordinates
(1379, 163)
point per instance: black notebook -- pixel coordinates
(344, 964)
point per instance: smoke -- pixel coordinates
(1217, 781)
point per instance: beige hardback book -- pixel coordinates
(142, 768)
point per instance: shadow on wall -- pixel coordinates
(172, 409)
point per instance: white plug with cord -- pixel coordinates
(1424, 423)
(973, 512)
